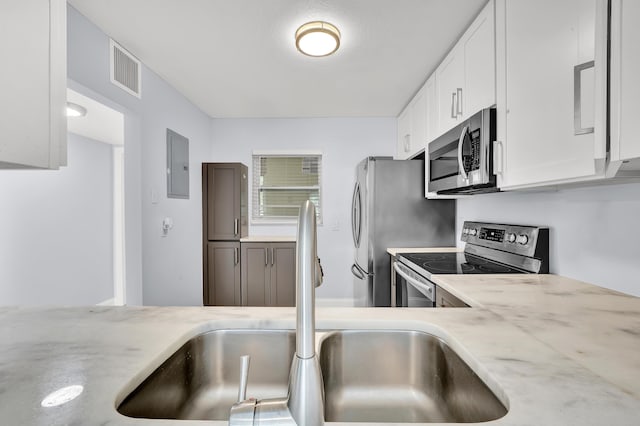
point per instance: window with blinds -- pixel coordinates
(281, 183)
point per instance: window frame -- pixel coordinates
(272, 220)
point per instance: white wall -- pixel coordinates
(160, 271)
(56, 245)
(343, 143)
(594, 232)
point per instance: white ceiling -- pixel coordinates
(237, 58)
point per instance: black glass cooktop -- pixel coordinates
(457, 263)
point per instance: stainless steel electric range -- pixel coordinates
(490, 249)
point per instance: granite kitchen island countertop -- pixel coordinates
(576, 364)
(596, 327)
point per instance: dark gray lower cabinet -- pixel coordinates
(444, 299)
(268, 274)
(223, 272)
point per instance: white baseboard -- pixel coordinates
(336, 303)
(108, 302)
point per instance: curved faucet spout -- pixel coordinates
(306, 390)
(306, 277)
(304, 406)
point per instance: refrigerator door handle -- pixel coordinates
(356, 215)
(357, 272)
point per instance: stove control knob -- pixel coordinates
(465, 231)
(522, 239)
(511, 238)
(473, 231)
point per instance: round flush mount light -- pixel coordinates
(75, 110)
(317, 38)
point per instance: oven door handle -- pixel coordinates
(425, 289)
(463, 172)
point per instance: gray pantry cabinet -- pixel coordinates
(224, 222)
(222, 279)
(237, 273)
(225, 201)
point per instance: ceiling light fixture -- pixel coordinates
(317, 38)
(75, 110)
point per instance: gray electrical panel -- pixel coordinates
(177, 165)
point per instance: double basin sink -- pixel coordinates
(380, 376)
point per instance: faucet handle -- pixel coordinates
(244, 376)
(243, 412)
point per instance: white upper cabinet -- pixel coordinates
(465, 80)
(432, 108)
(450, 83)
(404, 134)
(480, 63)
(625, 82)
(33, 85)
(551, 93)
(412, 126)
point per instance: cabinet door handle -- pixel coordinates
(459, 101)
(273, 256)
(235, 256)
(577, 98)
(236, 223)
(266, 256)
(498, 167)
(407, 143)
(453, 105)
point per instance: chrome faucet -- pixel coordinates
(304, 405)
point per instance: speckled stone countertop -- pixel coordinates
(594, 326)
(555, 351)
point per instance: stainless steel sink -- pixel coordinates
(369, 376)
(200, 381)
(400, 376)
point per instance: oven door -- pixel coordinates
(412, 290)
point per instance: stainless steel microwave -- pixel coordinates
(461, 160)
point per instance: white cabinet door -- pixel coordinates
(479, 64)
(547, 79)
(432, 108)
(418, 122)
(625, 79)
(33, 84)
(412, 126)
(404, 134)
(450, 82)
(466, 79)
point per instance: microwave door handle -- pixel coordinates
(422, 288)
(463, 172)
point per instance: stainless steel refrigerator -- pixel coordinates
(389, 209)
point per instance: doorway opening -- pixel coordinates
(106, 125)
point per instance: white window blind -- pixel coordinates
(281, 183)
